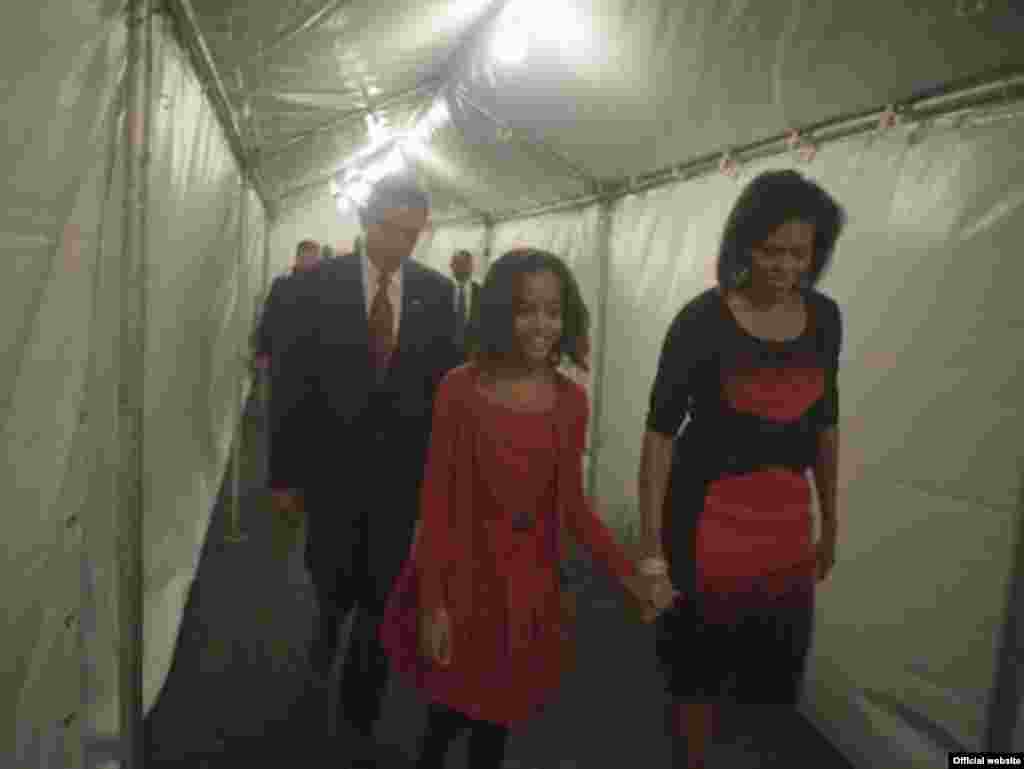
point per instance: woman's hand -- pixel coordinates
(436, 637)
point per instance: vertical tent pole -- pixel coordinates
(1004, 702)
(235, 534)
(264, 377)
(488, 255)
(131, 381)
(598, 344)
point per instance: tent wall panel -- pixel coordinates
(311, 215)
(63, 225)
(436, 246)
(59, 113)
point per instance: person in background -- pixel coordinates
(726, 505)
(274, 329)
(467, 304)
(477, 620)
(356, 398)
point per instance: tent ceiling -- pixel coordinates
(607, 88)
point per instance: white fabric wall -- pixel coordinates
(61, 311)
(59, 115)
(312, 214)
(931, 395)
(436, 246)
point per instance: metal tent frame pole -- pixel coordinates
(132, 372)
(191, 37)
(1007, 689)
(235, 535)
(604, 229)
(997, 87)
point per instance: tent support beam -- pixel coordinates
(532, 143)
(308, 24)
(351, 116)
(131, 380)
(235, 535)
(191, 36)
(998, 87)
(604, 251)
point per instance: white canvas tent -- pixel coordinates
(163, 158)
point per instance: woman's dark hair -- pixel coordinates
(768, 202)
(495, 336)
(396, 191)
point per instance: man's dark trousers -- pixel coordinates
(359, 541)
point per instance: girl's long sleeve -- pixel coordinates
(584, 523)
(434, 546)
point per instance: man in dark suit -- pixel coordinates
(356, 397)
(467, 305)
(271, 331)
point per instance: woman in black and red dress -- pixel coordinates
(726, 504)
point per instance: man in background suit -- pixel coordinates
(356, 398)
(269, 331)
(467, 305)
(274, 329)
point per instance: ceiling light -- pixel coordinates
(359, 192)
(553, 22)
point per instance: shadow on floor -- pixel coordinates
(237, 693)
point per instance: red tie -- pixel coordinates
(382, 325)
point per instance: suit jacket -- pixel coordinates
(474, 318)
(347, 442)
(271, 330)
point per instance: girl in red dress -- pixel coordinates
(476, 619)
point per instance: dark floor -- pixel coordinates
(236, 693)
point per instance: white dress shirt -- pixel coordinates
(371, 282)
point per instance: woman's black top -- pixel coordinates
(707, 358)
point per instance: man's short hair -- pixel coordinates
(463, 252)
(390, 192)
(303, 244)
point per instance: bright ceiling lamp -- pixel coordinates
(391, 164)
(523, 21)
(359, 192)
